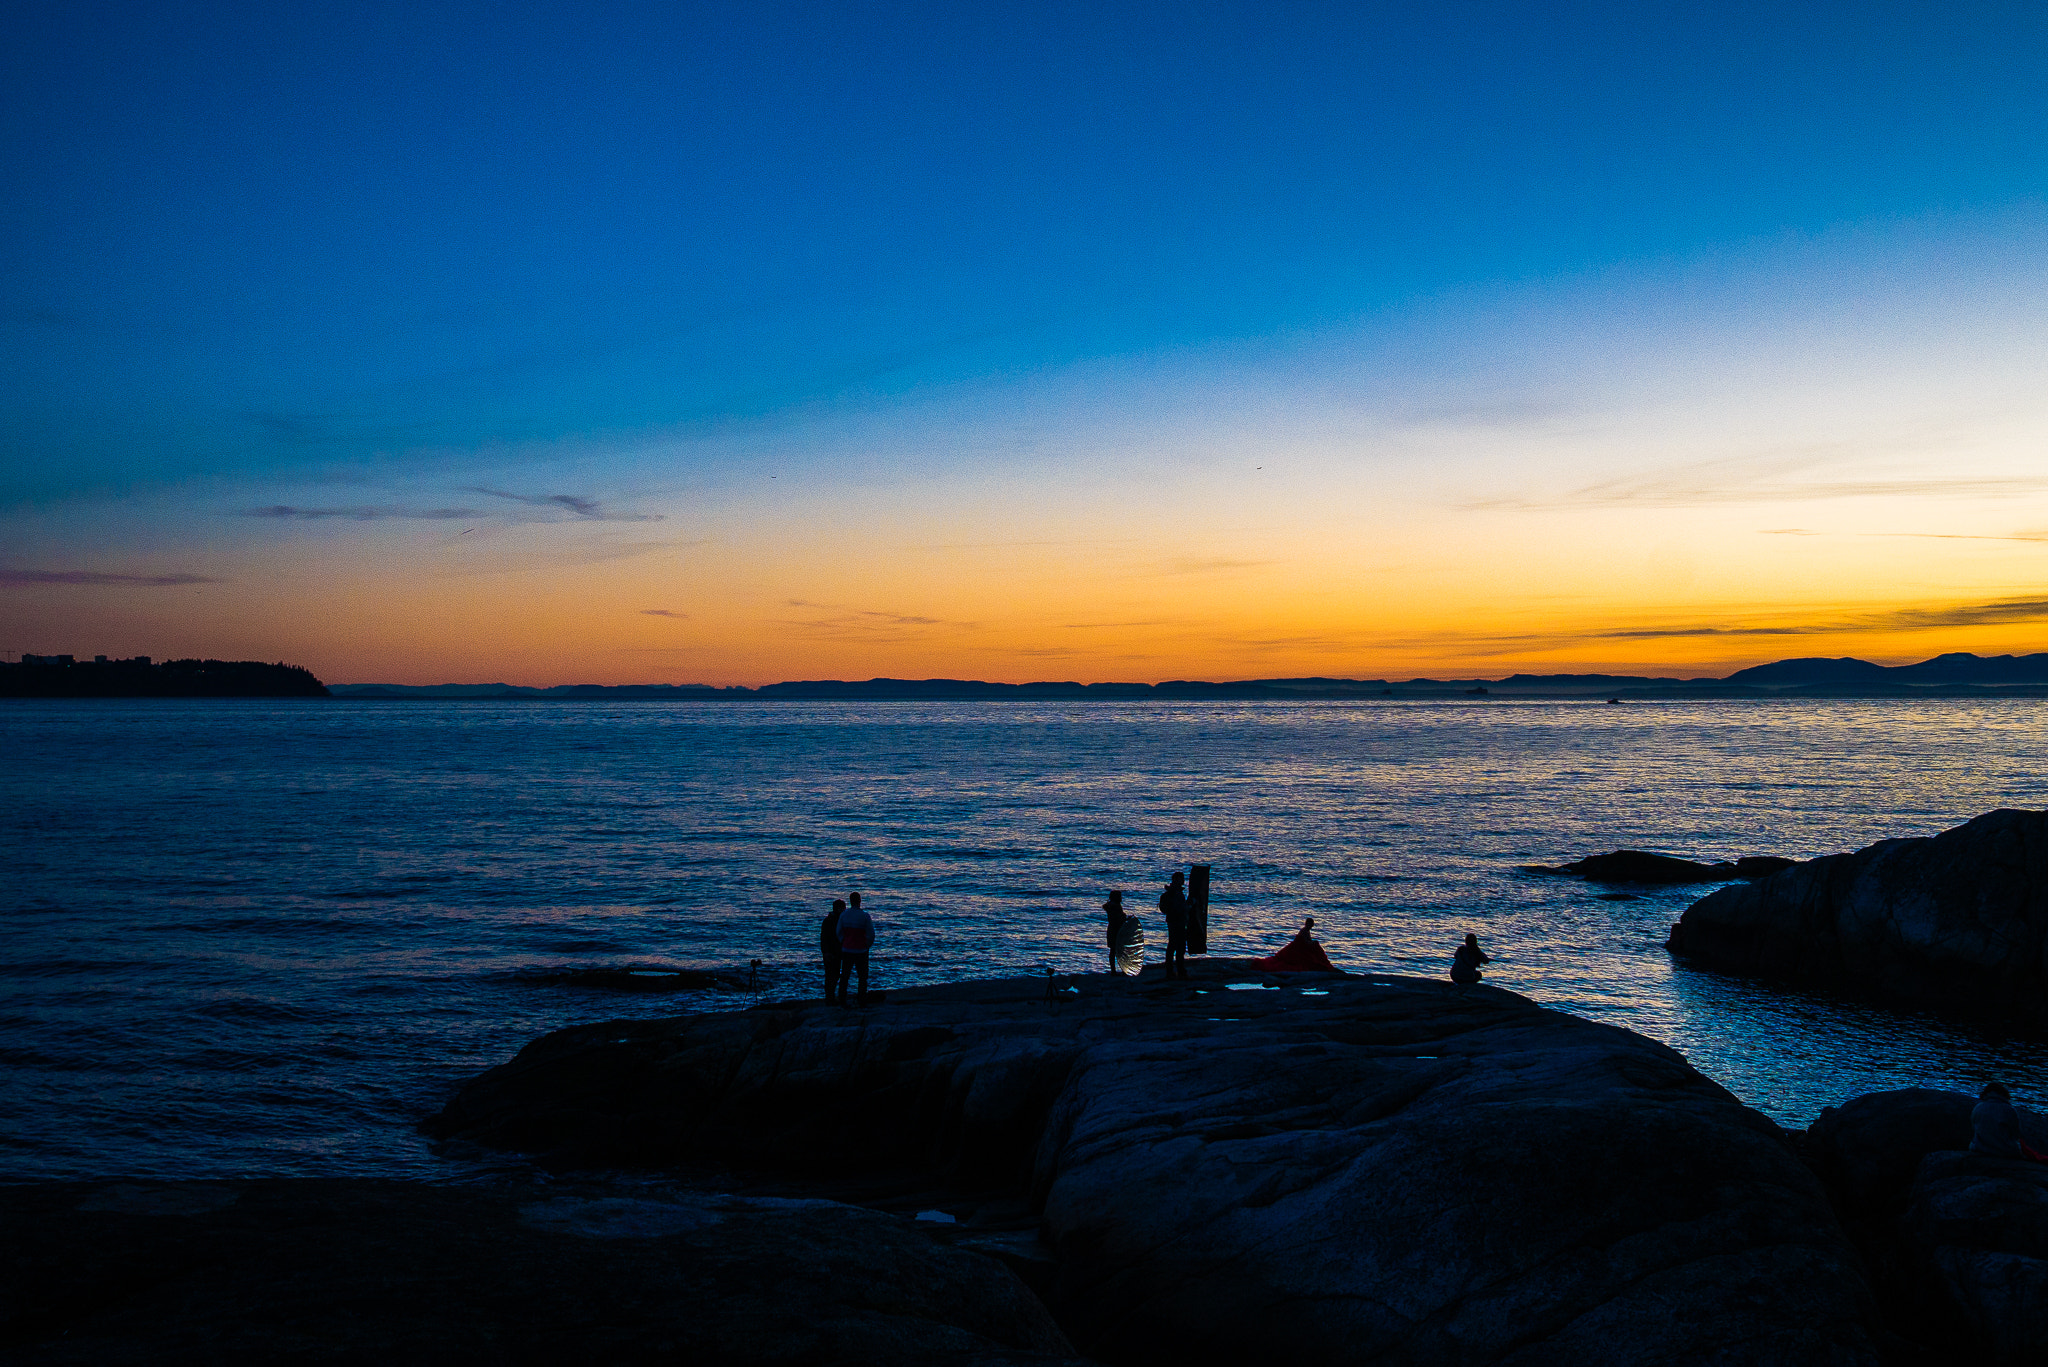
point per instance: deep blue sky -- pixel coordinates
(238, 238)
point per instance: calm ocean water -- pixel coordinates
(265, 938)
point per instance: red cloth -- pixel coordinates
(1302, 955)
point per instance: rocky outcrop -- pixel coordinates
(1958, 921)
(1229, 1170)
(1640, 866)
(1956, 1244)
(392, 1272)
(1976, 1231)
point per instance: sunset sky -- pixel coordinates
(608, 343)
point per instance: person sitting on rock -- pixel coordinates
(1302, 955)
(1995, 1126)
(1465, 963)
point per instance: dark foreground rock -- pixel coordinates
(1976, 1232)
(388, 1272)
(1334, 1170)
(1956, 1244)
(1956, 922)
(1641, 866)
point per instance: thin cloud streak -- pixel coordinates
(664, 612)
(1999, 612)
(588, 509)
(23, 578)
(867, 623)
(291, 512)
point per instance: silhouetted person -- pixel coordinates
(1114, 910)
(1173, 904)
(1465, 963)
(856, 936)
(1300, 955)
(828, 945)
(1995, 1126)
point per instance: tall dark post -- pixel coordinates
(1198, 908)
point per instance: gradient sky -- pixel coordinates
(615, 343)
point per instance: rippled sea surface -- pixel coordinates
(265, 938)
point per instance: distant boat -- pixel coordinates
(1614, 700)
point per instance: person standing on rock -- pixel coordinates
(1114, 910)
(1465, 963)
(856, 936)
(1173, 905)
(828, 945)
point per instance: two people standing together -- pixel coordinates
(844, 939)
(1126, 939)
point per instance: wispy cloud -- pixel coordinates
(664, 612)
(868, 623)
(155, 581)
(1104, 626)
(361, 514)
(1998, 612)
(588, 509)
(1788, 531)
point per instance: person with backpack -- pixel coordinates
(856, 936)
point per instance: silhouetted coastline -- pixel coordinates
(1957, 675)
(60, 676)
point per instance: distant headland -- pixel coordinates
(1954, 675)
(62, 676)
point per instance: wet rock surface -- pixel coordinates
(1957, 921)
(1641, 866)
(389, 1272)
(1318, 1169)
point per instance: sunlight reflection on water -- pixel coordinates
(265, 937)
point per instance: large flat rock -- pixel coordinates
(392, 1272)
(1956, 921)
(1333, 1170)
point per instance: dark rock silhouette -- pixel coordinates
(1957, 921)
(364, 1271)
(1956, 1244)
(1377, 1169)
(138, 678)
(1640, 866)
(1976, 1232)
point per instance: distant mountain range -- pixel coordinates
(1959, 674)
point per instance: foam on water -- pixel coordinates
(256, 937)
